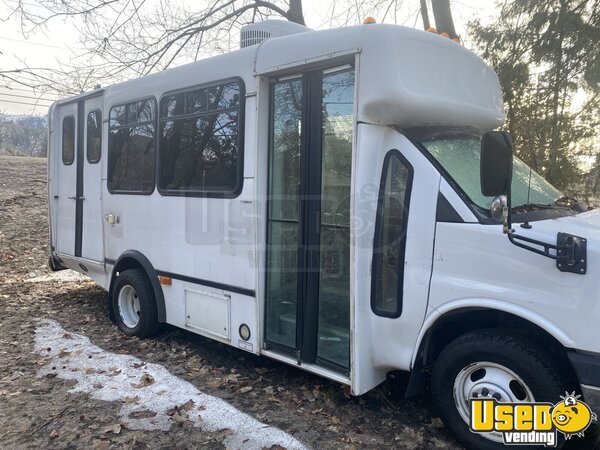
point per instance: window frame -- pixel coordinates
(87, 134)
(241, 135)
(132, 125)
(68, 163)
(393, 153)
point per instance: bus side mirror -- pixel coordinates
(496, 163)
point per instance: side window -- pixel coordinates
(131, 148)
(68, 140)
(94, 136)
(390, 236)
(200, 148)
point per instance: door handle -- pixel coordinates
(112, 218)
(77, 198)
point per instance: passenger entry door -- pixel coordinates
(91, 220)
(65, 158)
(308, 226)
(79, 179)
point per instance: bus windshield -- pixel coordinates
(458, 152)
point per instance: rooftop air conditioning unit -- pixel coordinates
(255, 33)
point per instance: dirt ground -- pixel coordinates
(38, 411)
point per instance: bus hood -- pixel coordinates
(585, 225)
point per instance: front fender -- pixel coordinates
(435, 314)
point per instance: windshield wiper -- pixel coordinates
(532, 207)
(571, 203)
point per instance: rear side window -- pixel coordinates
(68, 140)
(390, 236)
(200, 149)
(131, 147)
(94, 136)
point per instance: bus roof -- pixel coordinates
(405, 76)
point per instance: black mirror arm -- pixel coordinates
(570, 251)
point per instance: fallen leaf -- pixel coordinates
(146, 381)
(188, 406)
(179, 417)
(116, 429)
(347, 391)
(132, 399)
(138, 365)
(142, 414)
(436, 422)
(64, 353)
(268, 390)
(245, 389)
(54, 434)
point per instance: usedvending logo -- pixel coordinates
(532, 423)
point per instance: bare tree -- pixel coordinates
(124, 39)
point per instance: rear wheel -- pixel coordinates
(491, 364)
(134, 304)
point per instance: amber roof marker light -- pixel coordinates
(369, 20)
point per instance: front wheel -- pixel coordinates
(490, 364)
(134, 304)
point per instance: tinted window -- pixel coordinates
(131, 147)
(390, 237)
(200, 142)
(68, 140)
(94, 136)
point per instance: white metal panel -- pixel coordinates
(476, 266)
(63, 197)
(382, 344)
(208, 313)
(92, 236)
(408, 76)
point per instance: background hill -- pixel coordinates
(23, 135)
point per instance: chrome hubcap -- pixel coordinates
(488, 380)
(129, 306)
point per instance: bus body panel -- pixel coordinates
(383, 344)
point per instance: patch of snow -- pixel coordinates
(62, 276)
(146, 387)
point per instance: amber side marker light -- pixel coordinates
(369, 20)
(167, 281)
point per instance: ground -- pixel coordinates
(45, 316)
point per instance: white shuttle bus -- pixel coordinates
(335, 200)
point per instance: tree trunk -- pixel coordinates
(443, 17)
(425, 15)
(295, 14)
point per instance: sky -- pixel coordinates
(47, 48)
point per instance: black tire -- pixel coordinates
(532, 364)
(148, 324)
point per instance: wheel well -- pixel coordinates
(457, 323)
(135, 260)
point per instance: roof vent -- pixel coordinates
(255, 33)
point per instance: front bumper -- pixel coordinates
(587, 368)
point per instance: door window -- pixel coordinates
(390, 236)
(284, 206)
(94, 136)
(68, 140)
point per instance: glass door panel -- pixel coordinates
(283, 213)
(333, 340)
